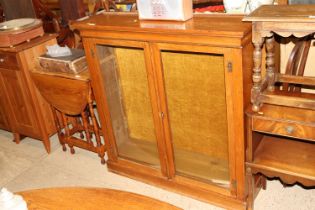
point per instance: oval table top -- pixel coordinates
(79, 198)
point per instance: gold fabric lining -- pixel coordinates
(135, 93)
(195, 89)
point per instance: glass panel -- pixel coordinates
(195, 90)
(126, 85)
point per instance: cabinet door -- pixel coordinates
(19, 101)
(198, 108)
(124, 72)
(3, 114)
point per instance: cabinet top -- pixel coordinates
(209, 25)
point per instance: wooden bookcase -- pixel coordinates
(170, 97)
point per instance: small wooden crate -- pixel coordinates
(73, 64)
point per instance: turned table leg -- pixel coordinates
(257, 78)
(270, 62)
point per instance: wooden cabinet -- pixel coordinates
(170, 97)
(22, 109)
(280, 144)
(280, 136)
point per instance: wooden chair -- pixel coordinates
(71, 98)
(296, 63)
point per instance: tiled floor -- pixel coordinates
(27, 166)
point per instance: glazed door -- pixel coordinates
(197, 111)
(125, 70)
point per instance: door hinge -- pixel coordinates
(230, 66)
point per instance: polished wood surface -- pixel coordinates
(289, 114)
(4, 122)
(28, 45)
(27, 113)
(290, 129)
(11, 38)
(207, 25)
(8, 61)
(285, 121)
(65, 94)
(108, 40)
(283, 13)
(90, 198)
(291, 160)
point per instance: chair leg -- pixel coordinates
(16, 138)
(67, 132)
(59, 127)
(86, 127)
(78, 121)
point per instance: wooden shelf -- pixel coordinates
(290, 160)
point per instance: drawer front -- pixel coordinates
(291, 129)
(8, 61)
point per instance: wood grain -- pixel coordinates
(90, 198)
(12, 38)
(290, 160)
(283, 13)
(285, 128)
(8, 61)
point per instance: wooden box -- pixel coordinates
(11, 35)
(74, 63)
